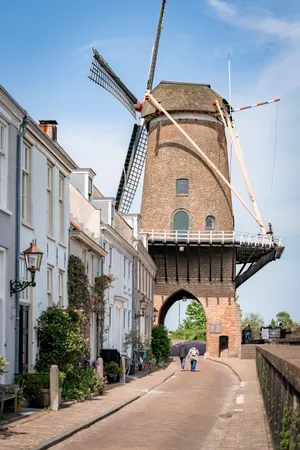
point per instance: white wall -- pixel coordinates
(55, 252)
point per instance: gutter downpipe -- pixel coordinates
(133, 296)
(21, 132)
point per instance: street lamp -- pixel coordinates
(142, 309)
(33, 259)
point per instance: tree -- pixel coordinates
(161, 344)
(195, 317)
(61, 343)
(78, 286)
(255, 320)
(284, 318)
(273, 323)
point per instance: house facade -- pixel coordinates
(9, 126)
(86, 241)
(145, 270)
(44, 211)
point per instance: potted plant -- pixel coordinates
(20, 399)
(112, 371)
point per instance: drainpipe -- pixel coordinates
(133, 294)
(21, 132)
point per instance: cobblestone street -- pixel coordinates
(178, 414)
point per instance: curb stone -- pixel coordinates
(67, 434)
(225, 364)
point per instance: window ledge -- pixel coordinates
(51, 238)
(27, 225)
(5, 211)
(62, 245)
(182, 195)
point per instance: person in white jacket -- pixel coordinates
(193, 356)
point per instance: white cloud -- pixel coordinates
(262, 20)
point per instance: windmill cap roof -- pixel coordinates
(180, 96)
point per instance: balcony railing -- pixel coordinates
(214, 237)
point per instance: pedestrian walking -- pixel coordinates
(182, 352)
(193, 355)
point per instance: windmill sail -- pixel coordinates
(133, 167)
(105, 77)
(155, 47)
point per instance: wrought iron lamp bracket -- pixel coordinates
(19, 286)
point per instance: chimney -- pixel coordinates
(50, 128)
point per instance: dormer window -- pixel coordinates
(210, 223)
(90, 191)
(182, 186)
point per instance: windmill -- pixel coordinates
(102, 74)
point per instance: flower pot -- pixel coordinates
(19, 407)
(44, 399)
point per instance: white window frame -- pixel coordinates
(124, 318)
(129, 319)
(110, 257)
(90, 189)
(50, 199)
(26, 184)
(61, 287)
(50, 285)
(3, 164)
(61, 185)
(129, 269)
(124, 268)
(25, 295)
(109, 316)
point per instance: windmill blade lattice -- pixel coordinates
(104, 76)
(133, 167)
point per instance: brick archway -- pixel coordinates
(171, 300)
(223, 318)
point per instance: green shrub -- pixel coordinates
(190, 335)
(3, 364)
(60, 340)
(112, 369)
(32, 383)
(149, 356)
(82, 382)
(161, 344)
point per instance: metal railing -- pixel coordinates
(211, 237)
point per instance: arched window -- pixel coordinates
(210, 222)
(181, 221)
(182, 186)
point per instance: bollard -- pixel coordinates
(100, 368)
(123, 369)
(54, 388)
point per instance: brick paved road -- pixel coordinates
(179, 414)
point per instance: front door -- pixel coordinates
(24, 339)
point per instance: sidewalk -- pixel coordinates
(43, 429)
(245, 425)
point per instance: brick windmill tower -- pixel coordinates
(186, 210)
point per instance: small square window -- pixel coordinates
(182, 186)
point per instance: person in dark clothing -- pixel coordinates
(182, 352)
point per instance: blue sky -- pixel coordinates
(45, 62)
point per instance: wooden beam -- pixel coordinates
(210, 252)
(222, 264)
(233, 263)
(176, 260)
(165, 259)
(199, 263)
(188, 262)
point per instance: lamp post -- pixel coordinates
(155, 314)
(183, 299)
(33, 259)
(142, 309)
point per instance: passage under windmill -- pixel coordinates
(186, 211)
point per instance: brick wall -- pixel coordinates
(170, 157)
